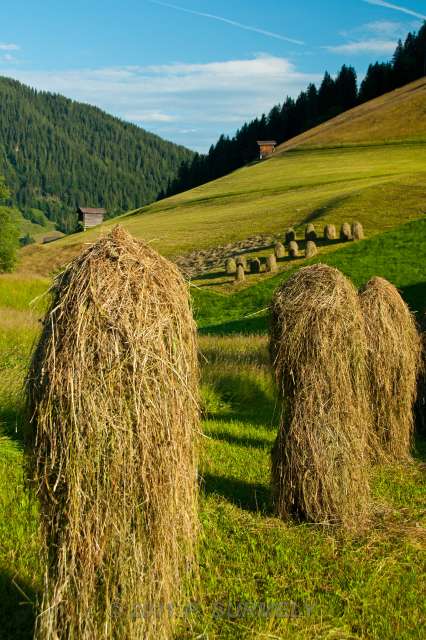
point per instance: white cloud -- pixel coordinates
(396, 7)
(8, 58)
(239, 25)
(364, 47)
(384, 27)
(149, 116)
(212, 98)
(8, 47)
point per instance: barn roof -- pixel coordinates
(88, 210)
(273, 142)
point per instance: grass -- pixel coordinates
(379, 186)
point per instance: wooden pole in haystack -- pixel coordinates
(111, 444)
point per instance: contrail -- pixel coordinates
(270, 34)
(395, 7)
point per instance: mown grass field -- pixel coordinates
(260, 578)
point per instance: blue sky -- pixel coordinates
(192, 69)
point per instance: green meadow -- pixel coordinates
(260, 577)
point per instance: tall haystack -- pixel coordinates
(330, 232)
(310, 233)
(318, 350)
(230, 266)
(240, 276)
(310, 249)
(279, 250)
(112, 396)
(357, 231)
(393, 359)
(293, 249)
(271, 264)
(345, 232)
(290, 235)
(255, 265)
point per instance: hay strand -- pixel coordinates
(318, 352)
(112, 395)
(394, 359)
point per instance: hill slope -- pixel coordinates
(382, 185)
(56, 153)
(398, 115)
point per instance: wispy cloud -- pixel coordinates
(8, 47)
(207, 99)
(396, 7)
(233, 23)
(364, 46)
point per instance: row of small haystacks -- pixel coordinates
(345, 366)
(111, 448)
(238, 266)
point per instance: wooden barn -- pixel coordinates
(267, 148)
(90, 217)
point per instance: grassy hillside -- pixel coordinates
(57, 154)
(397, 116)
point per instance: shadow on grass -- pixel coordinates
(17, 608)
(11, 423)
(257, 325)
(241, 441)
(419, 452)
(252, 497)
(415, 297)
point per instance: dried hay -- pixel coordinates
(279, 250)
(293, 249)
(318, 351)
(271, 264)
(290, 235)
(240, 275)
(310, 233)
(345, 232)
(241, 260)
(357, 231)
(230, 266)
(330, 232)
(112, 395)
(311, 249)
(255, 265)
(393, 359)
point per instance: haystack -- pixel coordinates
(394, 359)
(241, 260)
(357, 231)
(255, 265)
(290, 235)
(311, 249)
(293, 249)
(240, 276)
(112, 395)
(318, 351)
(230, 266)
(345, 232)
(271, 264)
(330, 232)
(279, 250)
(310, 233)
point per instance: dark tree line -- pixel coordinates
(313, 107)
(57, 154)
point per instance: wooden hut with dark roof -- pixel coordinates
(266, 148)
(89, 217)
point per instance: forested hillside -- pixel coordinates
(56, 154)
(313, 107)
